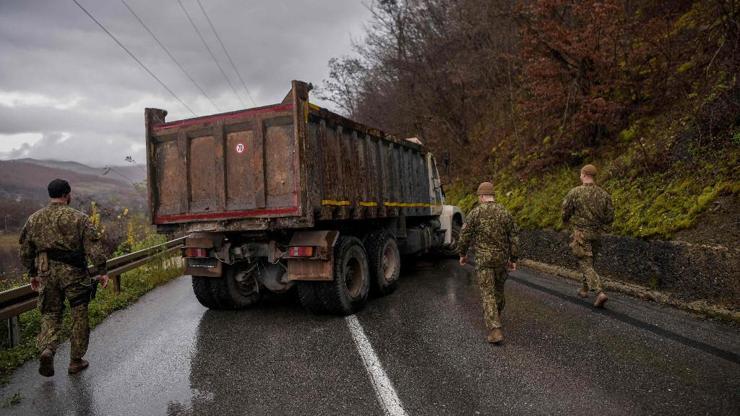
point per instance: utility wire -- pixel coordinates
(200, 35)
(167, 51)
(226, 52)
(134, 57)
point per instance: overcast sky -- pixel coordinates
(68, 92)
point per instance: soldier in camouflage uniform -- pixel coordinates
(491, 230)
(588, 210)
(56, 243)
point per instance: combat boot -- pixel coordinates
(46, 363)
(496, 336)
(601, 299)
(583, 293)
(75, 366)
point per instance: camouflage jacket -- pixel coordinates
(588, 207)
(491, 230)
(58, 227)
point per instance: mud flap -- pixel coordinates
(318, 267)
(203, 266)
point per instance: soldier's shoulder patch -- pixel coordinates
(95, 232)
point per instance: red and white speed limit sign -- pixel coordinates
(240, 148)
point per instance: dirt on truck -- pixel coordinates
(292, 194)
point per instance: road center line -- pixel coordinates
(381, 383)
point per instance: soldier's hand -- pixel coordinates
(35, 284)
(463, 260)
(103, 279)
(511, 266)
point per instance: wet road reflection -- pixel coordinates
(168, 355)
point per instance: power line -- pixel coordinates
(167, 51)
(134, 57)
(226, 52)
(200, 35)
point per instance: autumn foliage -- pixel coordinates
(533, 85)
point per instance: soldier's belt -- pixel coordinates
(71, 258)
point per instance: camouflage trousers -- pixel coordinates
(491, 283)
(54, 290)
(585, 246)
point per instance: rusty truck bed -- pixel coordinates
(286, 165)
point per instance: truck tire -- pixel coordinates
(242, 288)
(235, 290)
(384, 260)
(347, 293)
(203, 291)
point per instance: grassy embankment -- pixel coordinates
(134, 284)
(658, 186)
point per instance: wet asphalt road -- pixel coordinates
(167, 355)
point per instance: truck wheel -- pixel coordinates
(203, 291)
(237, 289)
(347, 293)
(384, 261)
(451, 249)
(241, 286)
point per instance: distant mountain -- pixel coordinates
(127, 173)
(26, 180)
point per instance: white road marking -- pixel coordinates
(381, 383)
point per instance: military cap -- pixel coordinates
(58, 188)
(486, 188)
(589, 170)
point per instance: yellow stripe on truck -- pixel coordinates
(334, 203)
(331, 202)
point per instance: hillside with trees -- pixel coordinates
(107, 194)
(23, 187)
(524, 93)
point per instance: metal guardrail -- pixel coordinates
(14, 302)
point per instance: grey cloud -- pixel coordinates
(51, 48)
(22, 119)
(91, 149)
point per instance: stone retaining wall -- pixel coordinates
(687, 271)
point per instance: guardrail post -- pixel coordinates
(116, 280)
(14, 333)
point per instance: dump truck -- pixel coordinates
(294, 195)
